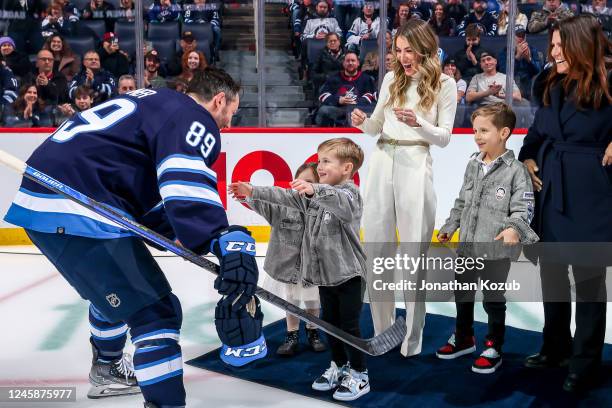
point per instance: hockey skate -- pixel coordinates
(113, 378)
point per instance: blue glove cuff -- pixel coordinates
(242, 355)
(235, 239)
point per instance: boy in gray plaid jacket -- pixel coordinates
(494, 210)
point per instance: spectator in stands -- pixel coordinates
(17, 61)
(112, 58)
(389, 61)
(55, 22)
(126, 11)
(188, 43)
(346, 11)
(345, 91)
(83, 100)
(100, 10)
(125, 84)
(329, 61)
(364, 27)
(597, 7)
(192, 61)
(456, 10)
(199, 12)
(163, 11)
(52, 85)
(401, 16)
(370, 65)
(527, 62)
(603, 13)
(318, 27)
(450, 69)
(8, 85)
(70, 10)
(101, 81)
(484, 20)
(65, 61)
(502, 20)
(441, 23)
(388, 41)
(420, 10)
(301, 12)
(25, 31)
(552, 11)
(28, 110)
(152, 78)
(466, 59)
(490, 85)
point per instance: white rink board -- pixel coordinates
(292, 147)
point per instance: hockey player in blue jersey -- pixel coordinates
(147, 154)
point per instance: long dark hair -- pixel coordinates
(66, 50)
(584, 48)
(20, 103)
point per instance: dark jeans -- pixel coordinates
(494, 301)
(586, 348)
(341, 306)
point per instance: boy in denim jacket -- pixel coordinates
(495, 204)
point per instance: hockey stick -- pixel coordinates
(374, 346)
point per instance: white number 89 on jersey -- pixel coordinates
(197, 135)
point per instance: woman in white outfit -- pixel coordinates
(416, 109)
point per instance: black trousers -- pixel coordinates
(586, 347)
(494, 301)
(341, 306)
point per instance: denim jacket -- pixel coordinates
(488, 204)
(283, 255)
(331, 253)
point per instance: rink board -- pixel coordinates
(265, 156)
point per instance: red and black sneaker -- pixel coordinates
(453, 348)
(489, 361)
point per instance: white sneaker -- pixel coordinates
(331, 378)
(353, 385)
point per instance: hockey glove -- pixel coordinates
(238, 273)
(240, 332)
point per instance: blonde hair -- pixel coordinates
(423, 42)
(345, 150)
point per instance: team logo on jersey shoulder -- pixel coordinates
(113, 299)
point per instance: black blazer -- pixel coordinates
(568, 144)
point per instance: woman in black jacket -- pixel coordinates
(329, 61)
(568, 152)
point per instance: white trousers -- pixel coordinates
(399, 195)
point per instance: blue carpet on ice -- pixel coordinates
(424, 380)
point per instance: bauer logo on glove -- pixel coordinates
(240, 332)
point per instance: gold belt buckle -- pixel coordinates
(393, 142)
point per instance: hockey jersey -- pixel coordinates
(360, 86)
(147, 154)
(487, 24)
(360, 28)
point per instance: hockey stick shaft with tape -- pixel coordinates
(377, 345)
